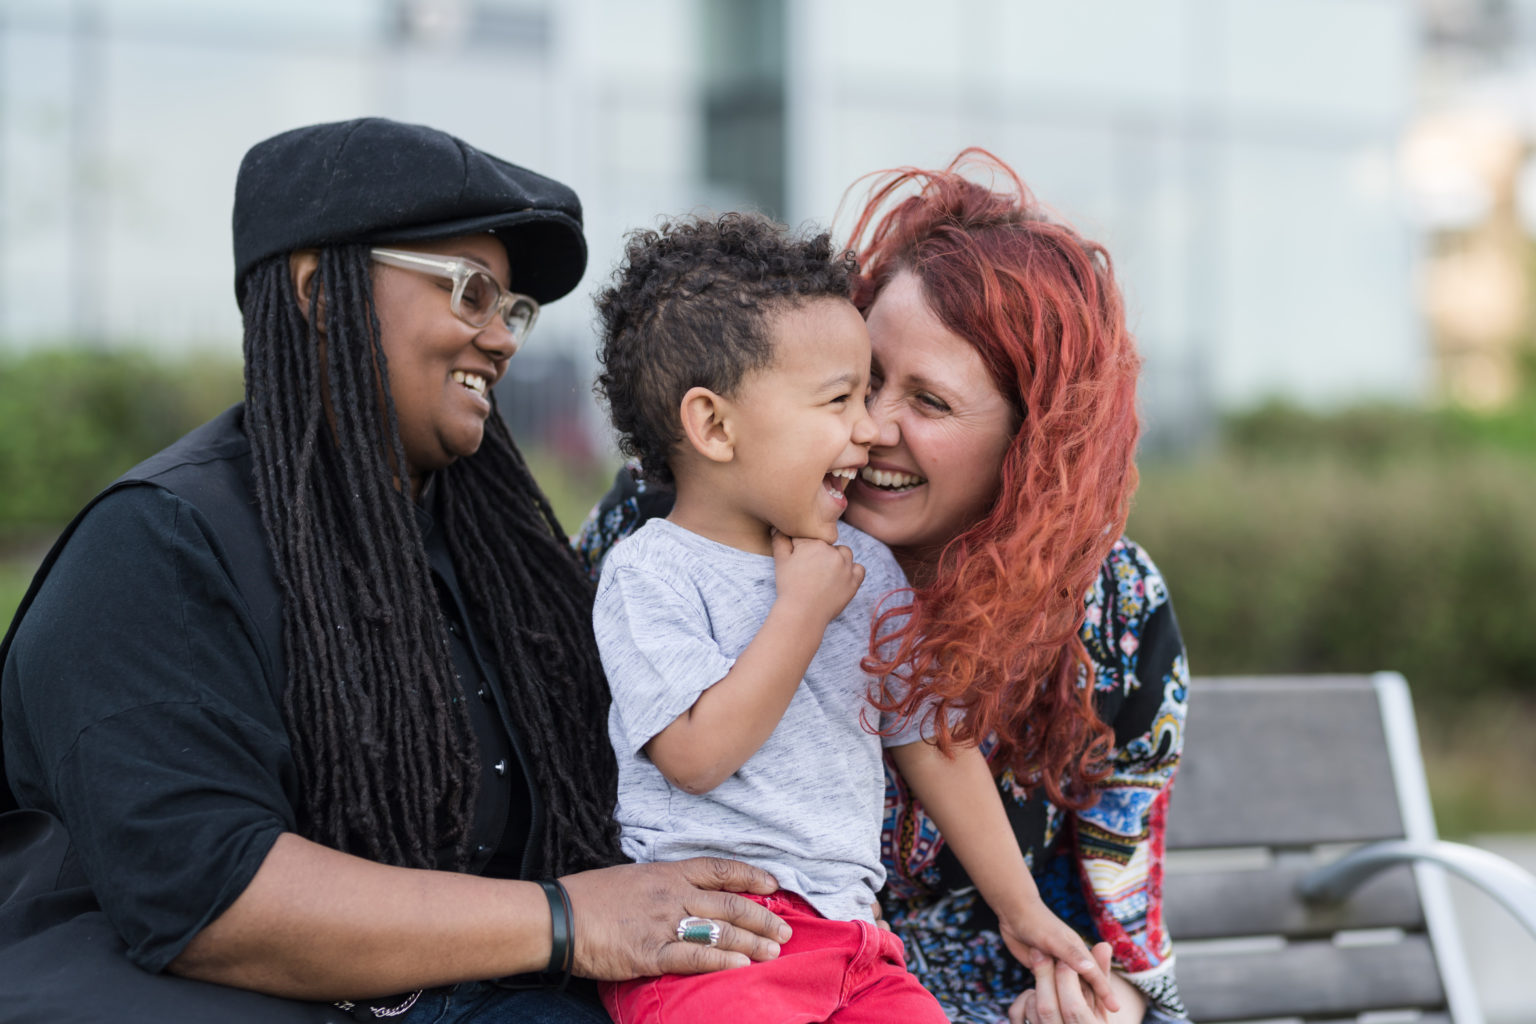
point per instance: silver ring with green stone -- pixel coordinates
(699, 930)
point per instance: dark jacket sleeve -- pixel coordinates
(138, 711)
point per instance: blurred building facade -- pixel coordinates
(1469, 163)
(1238, 157)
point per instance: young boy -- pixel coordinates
(731, 632)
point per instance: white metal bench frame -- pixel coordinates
(1328, 892)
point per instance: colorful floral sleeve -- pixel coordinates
(1143, 678)
(620, 512)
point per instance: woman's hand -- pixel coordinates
(1037, 937)
(626, 918)
(1059, 997)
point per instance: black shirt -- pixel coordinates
(141, 700)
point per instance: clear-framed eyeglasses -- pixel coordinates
(477, 296)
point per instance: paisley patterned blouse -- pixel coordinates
(1100, 869)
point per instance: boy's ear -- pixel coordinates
(707, 425)
(304, 272)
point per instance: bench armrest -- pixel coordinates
(1505, 881)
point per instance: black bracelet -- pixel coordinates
(562, 934)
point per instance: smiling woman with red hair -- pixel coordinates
(1006, 529)
(1003, 388)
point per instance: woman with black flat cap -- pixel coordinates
(306, 706)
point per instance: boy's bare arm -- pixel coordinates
(961, 797)
(706, 744)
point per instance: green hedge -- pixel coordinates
(1375, 434)
(1374, 539)
(72, 419)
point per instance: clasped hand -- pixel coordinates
(818, 577)
(1072, 983)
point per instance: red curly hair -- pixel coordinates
(994, 631)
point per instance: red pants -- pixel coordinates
(848, 972)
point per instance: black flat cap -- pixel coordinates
(380, 181)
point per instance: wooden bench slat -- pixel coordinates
(1310, 978)
(1231, 904)
(1277, 764)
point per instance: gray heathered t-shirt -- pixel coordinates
(674, 611)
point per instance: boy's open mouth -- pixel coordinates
(890, 480)
(837, 481)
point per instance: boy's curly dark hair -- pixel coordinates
(689, 307)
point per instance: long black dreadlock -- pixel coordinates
(385, 752)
